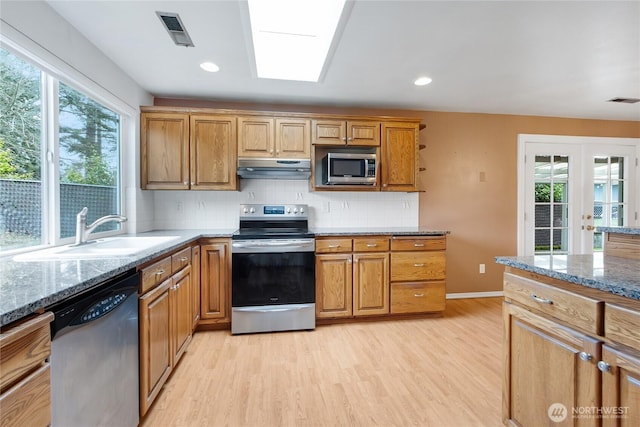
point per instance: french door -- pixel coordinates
(568, 186)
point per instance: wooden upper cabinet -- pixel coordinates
(255, 137)
(399, 163)
(267, 137)
(164, 151)
(339, 132)
(293, 138)
(213, 152)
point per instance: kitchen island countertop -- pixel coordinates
(619, 276)
(619, 230)
(27, 286)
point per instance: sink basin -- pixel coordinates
(111, 247)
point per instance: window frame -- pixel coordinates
(50, 151)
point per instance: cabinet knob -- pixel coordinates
(186, 183)
(183, 259)
(159, 272)
(193, 183)
(604, 366)
(585, 356)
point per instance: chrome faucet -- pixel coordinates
(83, 231)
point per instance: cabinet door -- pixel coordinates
(370, 283)
(255, 137)
(293, 138)
(182, 320)
(213, 148)
(164, 151)
(155, 343)
(399, 164)
(363, 133)
(547, 364)
(195, 286)
(334, 285)
(214, 305)
(328, 132)
(620, 387)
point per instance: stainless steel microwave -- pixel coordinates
(349, 169)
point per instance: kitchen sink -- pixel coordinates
(110, 247)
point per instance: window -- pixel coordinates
(39, 199)
(551, 204)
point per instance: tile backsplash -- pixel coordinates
(219, 209)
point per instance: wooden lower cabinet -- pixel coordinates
(620, 386)
(155, 343)
(547, 365)
(165, 322)
(195, 286)
(334, 285)
(215, 282)
(370, 283)
(25, 373)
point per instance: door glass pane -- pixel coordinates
(551, 204)
(20, 153)
(608, 195)
(89, 160)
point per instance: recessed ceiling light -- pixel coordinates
(210, 67)
(291, 38)
(421, 81)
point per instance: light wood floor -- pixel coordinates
(427, 372)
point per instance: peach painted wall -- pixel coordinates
(459, 146)
(482, 215)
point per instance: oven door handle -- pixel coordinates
(271, 309)
(276, 246)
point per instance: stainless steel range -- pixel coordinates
(273, 270)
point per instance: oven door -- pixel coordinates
(273, 285)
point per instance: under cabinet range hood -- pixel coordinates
(250, 168)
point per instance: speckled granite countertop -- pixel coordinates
(27, 286)
(620, 276)
(621, 230)
(396, 231)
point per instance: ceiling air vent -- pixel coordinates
(175, 28)
(625, 100)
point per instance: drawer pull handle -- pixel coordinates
(160, 272)
(604, 366)
(372, 245)
(536, 298)
(183, 259)
(334, 246)
(418, 295)
(419, 265)
(585, 356)
(418, 245)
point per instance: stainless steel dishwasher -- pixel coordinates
(94, 357)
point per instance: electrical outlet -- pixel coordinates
(482, 269)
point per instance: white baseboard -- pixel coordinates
(490, 294)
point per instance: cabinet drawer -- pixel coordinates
(415, 266)
(324, 246)
(155, 274)
(418, 243)
(574, 309)
(23, 348)
(370, 244)
(417, 297)
(622, 324)
(180, 259)
(28, 403)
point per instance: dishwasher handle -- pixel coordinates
(94, 304)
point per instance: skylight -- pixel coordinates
(291, 38)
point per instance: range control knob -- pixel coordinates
(252, 210)
(245, 210)
(295, 210)
(289, 210)
(301, 210)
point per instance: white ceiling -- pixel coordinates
(551, 58)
